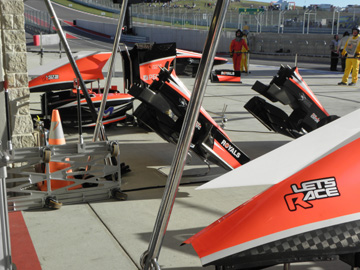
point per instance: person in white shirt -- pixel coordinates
(334, 55)
(341, 45)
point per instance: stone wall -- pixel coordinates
(14, 58)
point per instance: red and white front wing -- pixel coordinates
(310, 212)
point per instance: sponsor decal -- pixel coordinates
(228, 146)
(303, 98)
(227, 72)
(198, 125)
(107, 112)
(183, 103)
(52, 77)
(150, 77)
(155, 66)
(309, 191)
(315, 118)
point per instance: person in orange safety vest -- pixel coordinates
(236, 47)
(245, 53)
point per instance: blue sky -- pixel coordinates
(331, 2)
(336, 3)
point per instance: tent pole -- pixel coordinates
(149, 258)
(110, 71)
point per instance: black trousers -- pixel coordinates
(343, 60)
(334, 61)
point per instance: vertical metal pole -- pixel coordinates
(286, 266)
(71, 58)
(149, 258)
(110, 71)
(279, 22)
(308, 25)
(333, 22)
(8, 118)
(5, 246)
(41, 50)
(304, 22)
(81, 138)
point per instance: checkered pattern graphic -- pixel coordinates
(346, 235)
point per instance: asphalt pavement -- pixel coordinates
(114, 234)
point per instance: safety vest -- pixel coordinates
(352, 46)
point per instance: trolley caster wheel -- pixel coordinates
(52, 203)
(115, 150)
(119, 195)
(124, 168)
(46, 155)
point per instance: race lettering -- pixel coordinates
(315, 118)
(52, 77)
(230, 148)
(227, 72)
(296, 199)
(150, 77)
(310, 191)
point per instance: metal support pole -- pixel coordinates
(110, 71)
(8, 118)
(308, 25)
(41, 50)
(333, 22)
(5, 246)
(286, 266)
(71, 58)
(79, 114)
(150, 257)
(304, 22)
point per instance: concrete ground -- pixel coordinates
(113, 234)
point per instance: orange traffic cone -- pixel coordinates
(56, 133)
(56, 137)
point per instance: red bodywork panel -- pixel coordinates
(318, 196)
(59, 78)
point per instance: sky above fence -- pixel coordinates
(318, 2)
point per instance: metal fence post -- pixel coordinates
(5, 247)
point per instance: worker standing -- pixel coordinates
(352, 53)
(341, 46)
(235, 49)
(244, 53)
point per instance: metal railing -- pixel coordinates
(279, 21)
(303, 21)
(37, 21)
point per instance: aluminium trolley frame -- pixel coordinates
(93, 178)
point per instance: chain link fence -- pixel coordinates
(305, 21)
(257, 20)
(37, 22)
